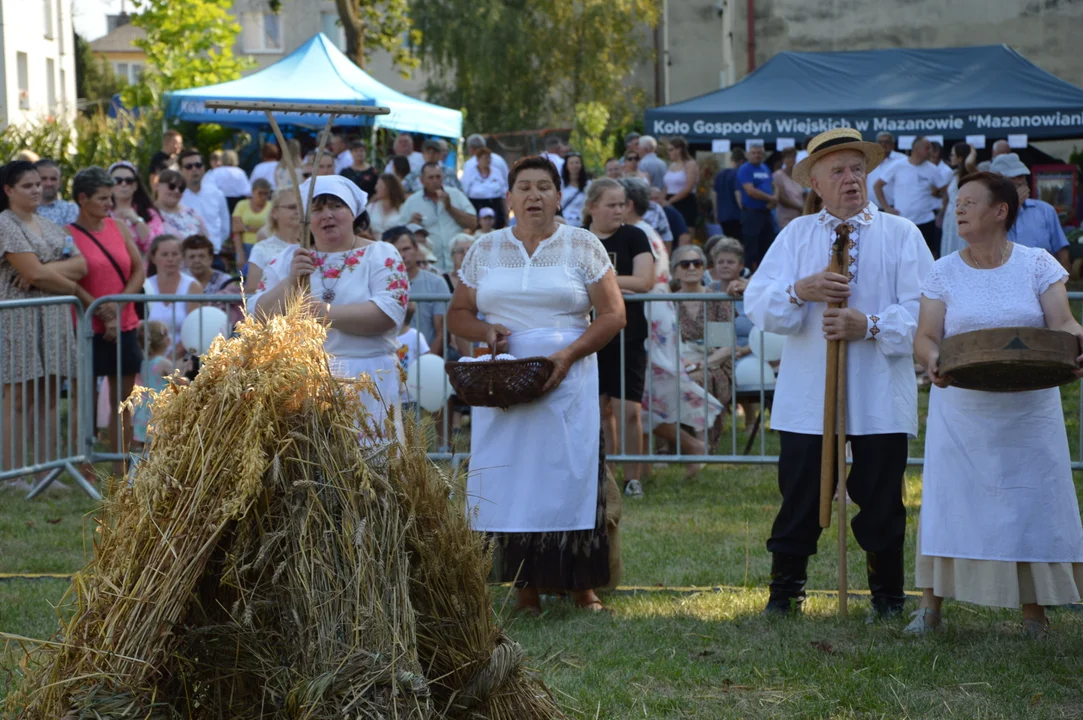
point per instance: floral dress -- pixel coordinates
(672, 395)
(720, 376)
(37, 341)
(182, 223)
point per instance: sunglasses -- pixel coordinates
(689, 264)
(306, 175)
(124, 180)
(174, 187)
(633, 158)
(193, 166)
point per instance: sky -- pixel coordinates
(89, 15)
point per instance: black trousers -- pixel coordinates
(732, 228)
(758, 233)
(875, 483)
(932, 234)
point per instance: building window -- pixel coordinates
(22, 65)
(60, 25)
(130, 73)
(332, 28)
(50, 84)
(47, 7)
(261, 32)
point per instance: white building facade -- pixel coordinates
(37, 61)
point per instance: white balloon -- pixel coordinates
(426, 382)
(746, 374)
(772, 344)
(201, 327)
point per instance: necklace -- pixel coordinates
(1003, 255)
(328, 294)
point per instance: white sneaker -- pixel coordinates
(633, 489)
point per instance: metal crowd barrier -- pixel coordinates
(62, 437)
(39, 375)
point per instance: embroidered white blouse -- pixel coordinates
(888, 263)
(373, 273)
(546, 290)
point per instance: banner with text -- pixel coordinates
(709, 126)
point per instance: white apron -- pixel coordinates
(998, 478)
(534, 467)
(384, 370)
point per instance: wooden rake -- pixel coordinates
(269, 107)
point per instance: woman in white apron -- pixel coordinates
(361, 285)
(537, 474)
(999, 519)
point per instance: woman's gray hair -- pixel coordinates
(721, 244)
(675, 259)
(463, 238)
(638, 193)
(89, 181)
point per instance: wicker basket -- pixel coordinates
(499, 383)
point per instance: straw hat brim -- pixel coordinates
(874, 155)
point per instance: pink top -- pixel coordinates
(155, 227)
(101, 278)
(786, 185)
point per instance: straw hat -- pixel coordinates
(833, 141)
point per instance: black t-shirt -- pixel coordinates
(623, 247)
(366, 179)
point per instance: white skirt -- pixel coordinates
(534, 467)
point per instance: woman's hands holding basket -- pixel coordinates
(562, 363)
(496, 337)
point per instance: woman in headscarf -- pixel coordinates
(359, 286)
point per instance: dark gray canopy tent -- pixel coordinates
(954, 92)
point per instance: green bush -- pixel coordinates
(96, 140)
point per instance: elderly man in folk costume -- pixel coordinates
(880, 293)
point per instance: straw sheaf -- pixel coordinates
(260, 566)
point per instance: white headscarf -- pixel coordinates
(342, 188)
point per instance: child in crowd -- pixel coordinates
(412, 345)
(156, 367)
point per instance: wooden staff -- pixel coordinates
(833, 448)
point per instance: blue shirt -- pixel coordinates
(725, 185)
(1038, 226)
(760, 177)
(677, 225)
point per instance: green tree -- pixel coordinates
(382, 24)
(95, 82)
(188, 44)
(519, 64)
(591, 119)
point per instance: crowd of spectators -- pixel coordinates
(183, 226)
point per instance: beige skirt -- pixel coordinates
(997, 583)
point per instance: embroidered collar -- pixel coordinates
(865, 217)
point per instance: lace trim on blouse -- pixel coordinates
(574, 248)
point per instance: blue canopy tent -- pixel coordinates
(954, 92)
(316, 72)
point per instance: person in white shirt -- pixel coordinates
(891, 156)
(474, 145)
(229, 179)
(553, 146)
(266, 168)
(788, 295)
(485, 185)
(210, 204)
(917, 186)
(443, 212)
(341, 151)
(404, 145)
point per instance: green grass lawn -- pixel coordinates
(700, 654)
